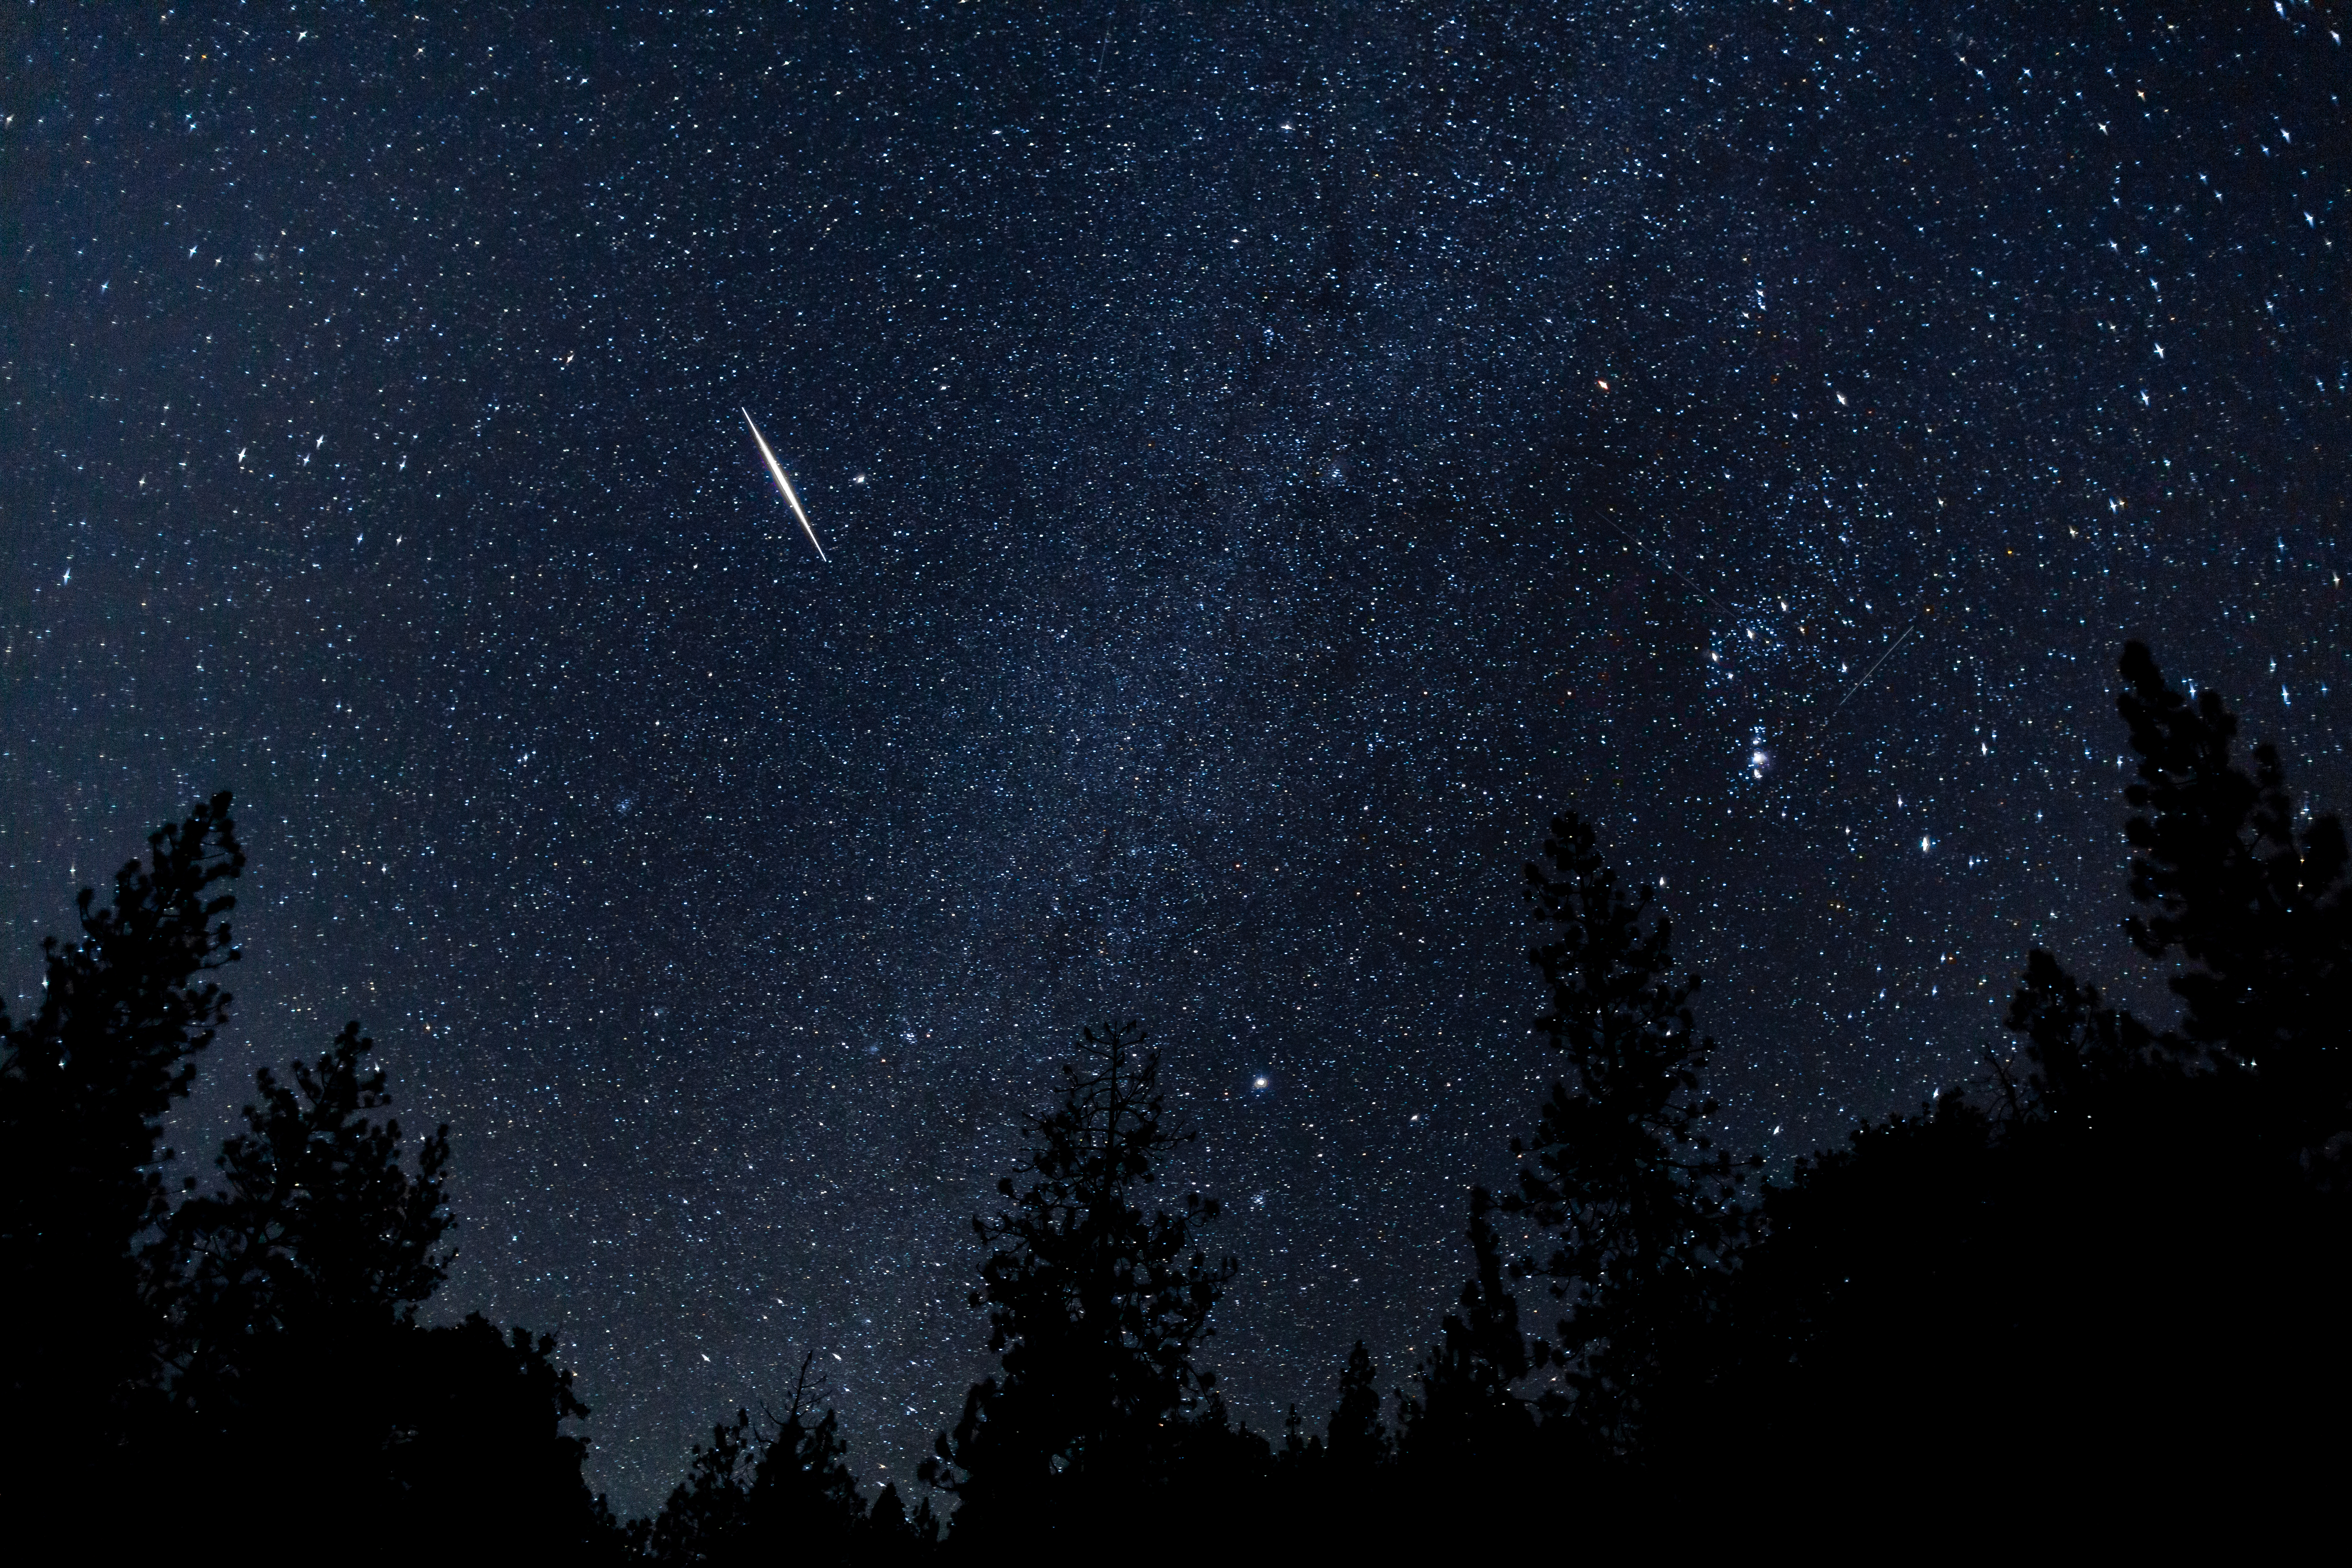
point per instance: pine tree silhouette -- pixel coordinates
(1467, 1420)
(260, 1340)
(705, 1511)
(2123, 1262)
(2119, 1261)
(1620, 1168)
(318, 1235)
(2261, 910)
(287, 1297)
(1358, 1439)
(752, 1499)
(801, 1497)
(469, 1438)
(2080, 1050)
(1095, 1307)
(84, 1086)
(895, 1536)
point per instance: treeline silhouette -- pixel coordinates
(2109, 1274)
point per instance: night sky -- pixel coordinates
(1271, 459)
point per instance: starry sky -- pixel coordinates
(1271, 456)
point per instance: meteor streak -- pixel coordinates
(785, 484)
(1821, 736)
(1866, 674)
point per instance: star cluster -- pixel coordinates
(1272, 458)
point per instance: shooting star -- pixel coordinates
(1821, 736)
(785, 484)
(1866, 674)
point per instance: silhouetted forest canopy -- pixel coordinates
(2112, 1267)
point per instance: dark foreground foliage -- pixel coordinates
(1096, 1306)
(2124, 1261)
(2110, 1276)
(256, 1338)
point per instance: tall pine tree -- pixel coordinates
(752, 1499)
(85, 1083)
(1095, 1304)
(1621, 1172)
(2259, 908)
(2124, 1264)
(319, 1234)
(1467, 1419)
(1356, 1439)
